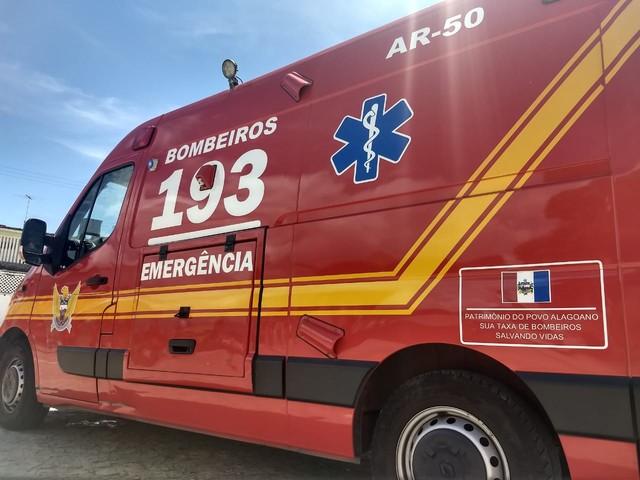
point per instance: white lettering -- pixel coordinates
(271, 125)
(398, 46)
(196, 148)
(209, 144)
(215, 262)
(241, 135)
(222, 140)
(183, 152)
(177, 267)
(190, 267)
(166, 269)
(232, 137)
(171, 155)
(227, 262)
(202, 265)
(256, 130)
(247, 262)
(155, 269)
(419, 36)
(424, 36)
(145, 272)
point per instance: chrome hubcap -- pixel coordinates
(12, 385)
(445, 442)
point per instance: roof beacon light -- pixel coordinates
(229, 70)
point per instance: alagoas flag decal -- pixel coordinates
(532, 286)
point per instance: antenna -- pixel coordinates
(29, 198)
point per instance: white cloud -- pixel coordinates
(65, 110)
(107, 112)
(88, 150)
(16, 78)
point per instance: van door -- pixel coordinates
(194, 321)
(71, 301)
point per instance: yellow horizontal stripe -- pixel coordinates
(84, 306)
(398, 292)
(178, 288)
(209, 299)
(20, 308)
(125, 304)
(448, 235)
(143, 316)
(74, 318)
(275, 297)
(282, 313)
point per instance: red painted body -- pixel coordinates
(571, 209)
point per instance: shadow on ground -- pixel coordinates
(80, 445)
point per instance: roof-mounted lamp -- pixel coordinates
(230, 70)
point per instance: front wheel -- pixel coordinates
(19, 407)
(455, 424)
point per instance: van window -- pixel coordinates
(97, 215)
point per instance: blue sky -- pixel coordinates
(77, 75)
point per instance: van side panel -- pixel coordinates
(455, 193)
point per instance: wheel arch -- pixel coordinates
(17, 335)
(412, 361)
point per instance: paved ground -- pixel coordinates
(79, 445)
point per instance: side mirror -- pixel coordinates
(33, 241)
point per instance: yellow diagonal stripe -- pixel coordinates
(620, 33)
(538, 129)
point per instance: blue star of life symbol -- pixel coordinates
(371, 137)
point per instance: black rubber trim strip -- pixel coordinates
(268, 376)
(326, 381)
(101, 362)
(636, 405)
(115, 364)
(316, 380)
(586, 405)
(91, 362)
(77, 360)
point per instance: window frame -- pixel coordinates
(65, 260)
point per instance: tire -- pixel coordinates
(19, 407)
(456, 424)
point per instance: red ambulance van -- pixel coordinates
(419, 246)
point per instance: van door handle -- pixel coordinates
(97, 280)
(182, 346)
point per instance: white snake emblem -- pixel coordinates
(369, 121)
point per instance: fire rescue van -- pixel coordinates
(418, 247)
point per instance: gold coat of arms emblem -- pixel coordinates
(64, 304)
